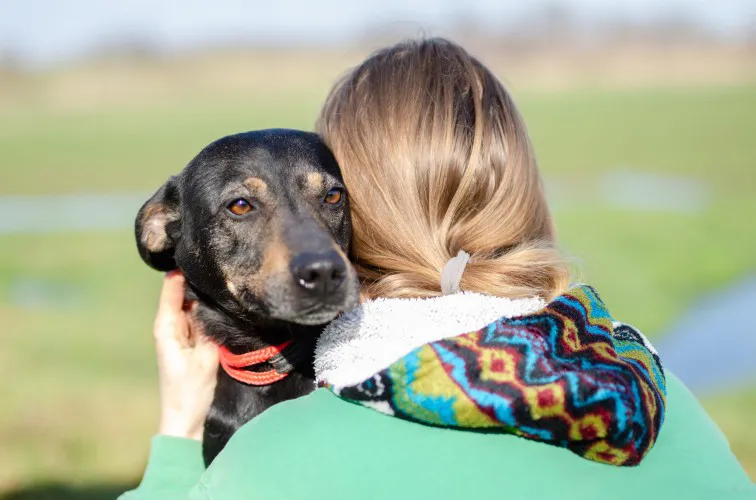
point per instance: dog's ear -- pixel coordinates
(158, 227)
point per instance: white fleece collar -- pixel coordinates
(367, 339)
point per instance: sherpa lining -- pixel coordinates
(371, 337)
(566, 375)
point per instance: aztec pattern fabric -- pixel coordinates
(566, 375)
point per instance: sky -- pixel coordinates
(39, 32)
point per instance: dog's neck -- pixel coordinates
(244, 333)
(241, 333)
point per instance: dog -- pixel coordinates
(259, 224)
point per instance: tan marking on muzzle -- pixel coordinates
(275, 264)
(349, 268)
(276, 259)
(236, 283)
(341, 253)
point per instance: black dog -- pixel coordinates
(259, 224)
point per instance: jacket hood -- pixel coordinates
(561, 372)
(371, 337)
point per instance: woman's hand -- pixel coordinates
(187, 363)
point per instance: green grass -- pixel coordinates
(649, 266)
(704, 132)
(87, 356)
(79, 394)
(127, 149)
(734, 412)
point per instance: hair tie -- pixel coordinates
(451, 274)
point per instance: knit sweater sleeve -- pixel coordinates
(174, 471)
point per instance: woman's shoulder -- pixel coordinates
(691, 445)
(320, 446)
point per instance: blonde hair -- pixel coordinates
(437, 159)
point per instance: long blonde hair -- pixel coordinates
(437, 159)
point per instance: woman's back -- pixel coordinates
(319, 447)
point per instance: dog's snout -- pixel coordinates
(319, 273)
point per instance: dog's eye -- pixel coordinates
(239, 206)
(334, 196)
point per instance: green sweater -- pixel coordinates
(320, 446)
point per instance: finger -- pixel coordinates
(170, 323)
(172, 293)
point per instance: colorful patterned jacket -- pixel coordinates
(562, 373)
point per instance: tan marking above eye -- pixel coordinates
(315, 181)
(256, 185)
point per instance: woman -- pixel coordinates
(446, 197)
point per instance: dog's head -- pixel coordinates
(259, 223)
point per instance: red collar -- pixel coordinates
(234, 364)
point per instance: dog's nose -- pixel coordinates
(319, 273)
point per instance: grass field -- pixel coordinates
(85, 415)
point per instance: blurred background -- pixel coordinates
(643, 115)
